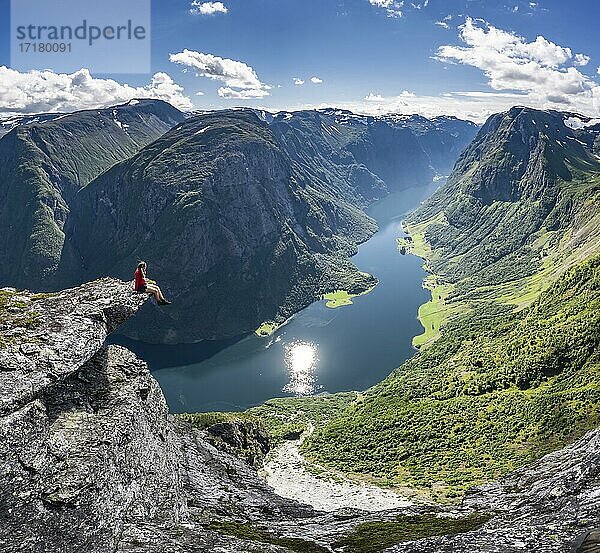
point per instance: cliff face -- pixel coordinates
(90, 461)
(89, 457)
(372, 155)
(85, 441)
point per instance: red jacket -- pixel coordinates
(140, 281)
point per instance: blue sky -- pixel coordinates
(371, 55)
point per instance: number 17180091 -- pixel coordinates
(50, 47)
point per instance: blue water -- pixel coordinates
(319, 349)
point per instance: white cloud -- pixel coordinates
(298, 81)
(379, 98)
(241, 94)
(581, 59)
(393, 8)
(539, 68)
(46, 91)
(241, 81)
(538, 74)
(316, 80)
(476, 106)
(374, 98)
(444, 21)
(207, 8)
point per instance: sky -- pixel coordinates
(468, 58)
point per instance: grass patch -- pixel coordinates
(440, 309)
(436, 313)
(252, 533)
(266, 329)
(285, 418)
(340, 298)
(30, 320)
(374, 537)
(14, 312)
(42, 296)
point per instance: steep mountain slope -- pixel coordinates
(520, 208)
(242, 220)
(401, 151)
(42, 166)
(490, 395)
(216, 209)
(91, 461)
(512, 241)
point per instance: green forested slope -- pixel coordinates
(520, 207)
(513, 247)
(491, 394)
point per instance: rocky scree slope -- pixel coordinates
(44, 162)
(243, 221)
(91, 461)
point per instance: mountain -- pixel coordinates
(517, 188)
(7, 124)
(508, 367)
(240, 219)
(217, 210)
(402, 150)
(90, 460)
(43, 164)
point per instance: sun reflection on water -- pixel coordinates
(301, 359)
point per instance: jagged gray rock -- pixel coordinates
(90, 460)
(246, 438)
(46, 337)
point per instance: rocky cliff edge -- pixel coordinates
(91, 461)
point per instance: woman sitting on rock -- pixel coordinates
(141, 285)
